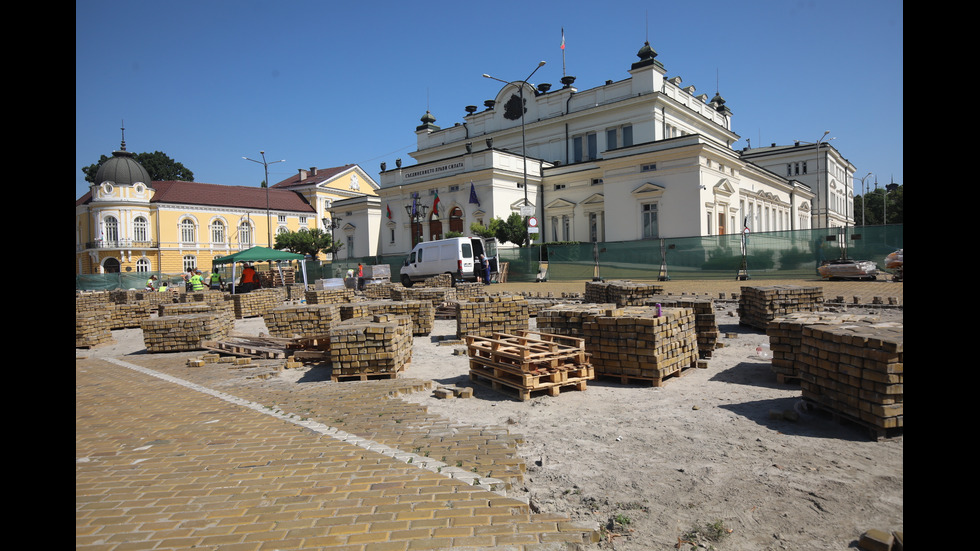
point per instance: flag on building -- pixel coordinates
(389, 211)
(473, 198)
(563, 38)
(435, 204)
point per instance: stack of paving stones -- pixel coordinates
(441, 280)
(786, 337)
(258, 302)
(271, 278)
(706, 319)
(92, 328)
(468, 290)
(435, 295)
(421, 312)
(567, 319)
(621, 292)
(370, 347)
(302, 320)
(637, 344)
(855, 371)
(182, 333)
(129, 316)
(209, 296)
(379, 290)
(329, 296)
(757, 306)
(484, 316)
(296, 292)
(91, 300)
(224, 311)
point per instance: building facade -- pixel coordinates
(641, 158)
(126, 223)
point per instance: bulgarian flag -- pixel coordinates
(435, 203)
(389, 211)
(563, 38)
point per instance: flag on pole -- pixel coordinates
(563, 38)
(435, 204)
(473, 198)
(389, 211)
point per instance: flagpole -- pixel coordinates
(563, 51)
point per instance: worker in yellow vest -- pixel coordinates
(197, 281)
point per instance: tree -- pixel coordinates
(305, 241)
(877, 204)
(512, 230)
(160, 167)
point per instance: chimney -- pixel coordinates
(312, 171)
(302, 174)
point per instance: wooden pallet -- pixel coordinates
(526, 352)
(532, 380)
(652, 381)
(252, 347)
(525, 393)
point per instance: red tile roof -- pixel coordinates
(215, 195)
(321, 175)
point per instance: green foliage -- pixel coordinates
(704, 537)
(512, 230)
(877, 204)
(306, 241)
(160, 167)
(451, 234)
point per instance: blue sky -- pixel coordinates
(324, 83)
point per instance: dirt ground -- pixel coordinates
(708, 457)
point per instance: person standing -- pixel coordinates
(216, 282)
(249, 278)
(485, 266)
(197, 281)
(150, 283)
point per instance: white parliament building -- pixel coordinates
(645, 157)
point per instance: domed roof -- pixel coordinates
(122, 169)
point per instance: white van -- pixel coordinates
(457, 256)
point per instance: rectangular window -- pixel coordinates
(454, 188)
(597, 181)
(611, 138)
(648, 168)
(651, 229)
(559, 186)
(585, 147)
(282, 218)
(627, 136)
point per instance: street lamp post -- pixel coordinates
(268, 212)
(862, 196)
(523, 135)
(416, 213)
(816, 209)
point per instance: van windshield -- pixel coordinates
(467, 250)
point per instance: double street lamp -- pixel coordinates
(416, 213)
(268, 212)
(523, 135)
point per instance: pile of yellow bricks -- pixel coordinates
(258, 302)
(706, 319)
(370, 347)
(182, 333)
(757, 306)
(484, 316)
(421, 312)
(329, 296)
(639, 344)
(621, 292)
(435, 295)
(223, 311)
(855, 370)
(786, 337)
(92, 328)
(303, 320)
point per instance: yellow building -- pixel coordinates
(126, 223)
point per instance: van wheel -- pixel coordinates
(406, 281)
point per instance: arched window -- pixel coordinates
(187, 231)
(244, 233)
(111, 229)
(141, 230)
(456, 220)
(110, 266)
(190, 262)
(218, 232)
(143, 265)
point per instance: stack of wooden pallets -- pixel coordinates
(529, 362)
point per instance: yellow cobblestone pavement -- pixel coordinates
(173, 457)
